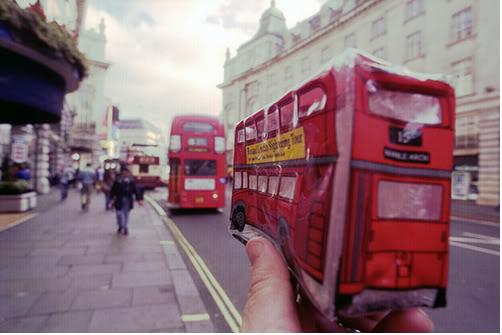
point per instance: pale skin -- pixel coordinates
(271, 306)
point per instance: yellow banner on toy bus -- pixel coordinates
(286, 146)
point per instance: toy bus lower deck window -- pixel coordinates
(273, 185)
(287, 188)
(237, 180)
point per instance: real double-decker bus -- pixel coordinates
(355, 162)
(144, 166)
(197, 163)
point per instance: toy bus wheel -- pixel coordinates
(239, 219)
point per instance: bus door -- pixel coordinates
(402, 161)
(174, 180)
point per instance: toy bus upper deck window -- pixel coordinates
(250, 132)
(240, 136)
(287, 114)
(197, 127)
(252, 182)
(413, 201)
(287, 188)
(262, 183)
(273, 185)
(260, 124)
(244, 179)
(237, 180)
(404, 106)
(311, 101)
(273, 119)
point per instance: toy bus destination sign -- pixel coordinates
(286, 146)
(406, 156)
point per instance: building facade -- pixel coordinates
(89, 101)
(459, 38)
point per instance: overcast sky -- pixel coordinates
(167, 55)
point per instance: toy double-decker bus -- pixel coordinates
(197, 163)
(349, 174)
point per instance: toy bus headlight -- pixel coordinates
(175, 143)
(219, 144)
(215, 196)
(412, 201)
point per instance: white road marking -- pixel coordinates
(463, 242)
(472, 247)
(486, 237)
(474, 240)
(481, 222)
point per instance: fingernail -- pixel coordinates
(254, 249)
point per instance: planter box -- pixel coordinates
(18, 203)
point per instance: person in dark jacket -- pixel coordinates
(122, 195)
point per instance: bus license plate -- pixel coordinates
(199, 200)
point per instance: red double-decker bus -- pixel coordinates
(350, 174)
(197, 163)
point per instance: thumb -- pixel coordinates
(270, 305)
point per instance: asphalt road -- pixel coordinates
(474, 279)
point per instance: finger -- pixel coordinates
(365, 323)
(407, 320)
(270, 305)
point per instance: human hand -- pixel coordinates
(271, 305)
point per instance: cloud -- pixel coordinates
(167, 56)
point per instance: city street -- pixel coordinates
(473, 296)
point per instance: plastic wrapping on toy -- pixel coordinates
(341, 173)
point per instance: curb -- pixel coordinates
(194, 314)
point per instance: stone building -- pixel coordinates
(89, 101)
(460, 38)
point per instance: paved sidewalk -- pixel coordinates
(68, 271)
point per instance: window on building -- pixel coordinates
(414, 8)
(461, 25)
(467, 132)
(378, 28)
(306, 64)
(315, 23)
(350, 41)
(464, 77)
(414, 45)
(334, 15)
(380, 53)
(296, 37)
(325, 54)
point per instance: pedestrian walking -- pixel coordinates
(122, 195)
(64, 181)
(108, 179)
(87, 179)
(100, 175)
